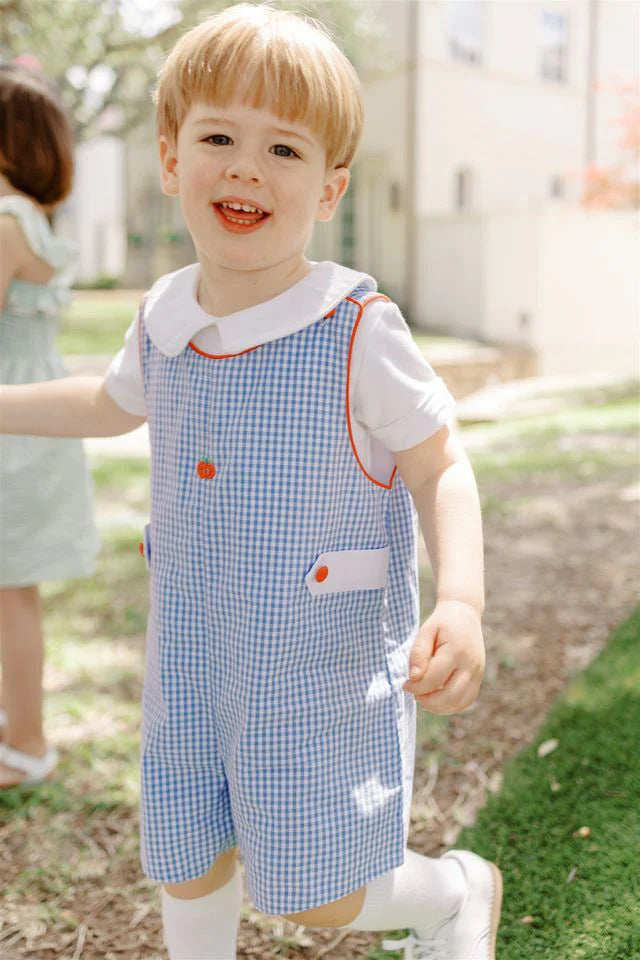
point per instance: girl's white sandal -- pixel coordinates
(37, 769)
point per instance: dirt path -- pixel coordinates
(562, 568)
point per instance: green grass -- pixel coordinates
(583, 892)
(93, 325)
(95, 631)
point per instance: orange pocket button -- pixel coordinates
(322, 573)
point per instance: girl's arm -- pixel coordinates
(70, 407)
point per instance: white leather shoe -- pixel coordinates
(471, 933)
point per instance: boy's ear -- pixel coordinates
(333, 191)
(168, 166)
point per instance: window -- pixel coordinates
(463, 188)
(464, 30)
(554, 45)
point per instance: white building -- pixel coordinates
(94, 216)
(465, 204)
(466, 192)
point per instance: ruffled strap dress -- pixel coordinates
(46, 521)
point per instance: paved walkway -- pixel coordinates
(536, 395)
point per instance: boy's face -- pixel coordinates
(237, 155)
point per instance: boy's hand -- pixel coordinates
(447, 660)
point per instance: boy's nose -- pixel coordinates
(246, 170)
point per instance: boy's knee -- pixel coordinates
(220, 873)
(335, 914)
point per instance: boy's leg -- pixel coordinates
(455, 898)
(419, 894)
(22, 653)
(338, 913)
(200, 917)
(216, 877)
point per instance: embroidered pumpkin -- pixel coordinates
(206, 470)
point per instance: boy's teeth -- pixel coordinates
(241, 206)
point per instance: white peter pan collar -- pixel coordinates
(173, 315)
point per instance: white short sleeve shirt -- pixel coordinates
(396, 399)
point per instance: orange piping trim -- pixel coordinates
(221, 356)
(225, 356)
(361, 306)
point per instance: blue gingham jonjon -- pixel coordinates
(284, 603)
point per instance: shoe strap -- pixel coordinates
(35, 768)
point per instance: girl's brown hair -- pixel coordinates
(36, 139)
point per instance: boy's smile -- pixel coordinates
(251, 186)
(238, 215)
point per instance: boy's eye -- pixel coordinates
(218, 140)
(280, 150)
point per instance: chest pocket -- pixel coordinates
(339, 571)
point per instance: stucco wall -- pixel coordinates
(563, 282)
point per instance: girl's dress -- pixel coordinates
(46, 524)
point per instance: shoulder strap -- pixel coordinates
(57, 251)
(363, 295)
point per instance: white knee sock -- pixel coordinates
(421, 894)
(205, 928)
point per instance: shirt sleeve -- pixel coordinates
(123, 379)
(397, 397)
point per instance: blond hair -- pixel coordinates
(269, 58)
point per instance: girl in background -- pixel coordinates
(46, 525)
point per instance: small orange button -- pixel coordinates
(206, 470)
(322, 573)
(141, 548)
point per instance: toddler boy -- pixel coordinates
(296, 434)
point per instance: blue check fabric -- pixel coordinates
(273, 719)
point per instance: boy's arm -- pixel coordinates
(447, 660)
(439, 477)
(70, 407)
